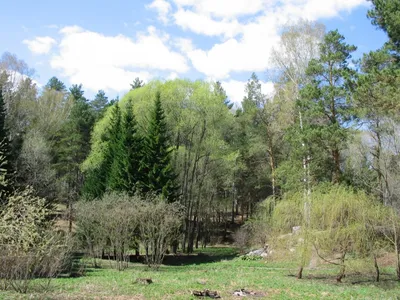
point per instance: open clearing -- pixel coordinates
(225, 274)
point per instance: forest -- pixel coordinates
(310, 171)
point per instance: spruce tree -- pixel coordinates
(115, 154)
(132, 149)
(156, 166)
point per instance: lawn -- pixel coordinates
(216, 269)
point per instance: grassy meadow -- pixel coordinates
(217, 269)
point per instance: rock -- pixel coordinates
(206, 293)
(245, 293)
(144, 280)
(296, 229)
(256, 252)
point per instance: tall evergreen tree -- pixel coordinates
(115, 154)
(132, 149)
(72, 144)
(156, 162)
(325, 101)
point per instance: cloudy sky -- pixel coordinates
(106, 44)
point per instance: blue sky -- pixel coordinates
(105, 44)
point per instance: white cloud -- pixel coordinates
(203, 24)
(235, 90)
(223, 8)
(163, 7)
(112, 62)
(248, 40)
(183, 45)
(40, 44)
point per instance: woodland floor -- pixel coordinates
(216, 269)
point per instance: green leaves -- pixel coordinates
(325, 102)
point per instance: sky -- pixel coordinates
(106, 44)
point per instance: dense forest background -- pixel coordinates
(330, 131)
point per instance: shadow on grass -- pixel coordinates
(204, 256)
(387, 283)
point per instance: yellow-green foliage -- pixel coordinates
(341, 220)
(187, 105)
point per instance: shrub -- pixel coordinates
(28, 246)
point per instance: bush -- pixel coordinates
(117, 223)
(159, 226)
(28, 246)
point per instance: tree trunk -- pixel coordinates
(376, 269)
(342, 269)
(300, 272)
(336, 161)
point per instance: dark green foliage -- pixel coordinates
(77, 92)
(99, 103)
(72, 144)
(5, 153)
(137, 83)
(219, 90)
(55, 84)
(158, 175)
(115, 156)
(325, 102)
(132, 149)
(119, 170)
(386, 15)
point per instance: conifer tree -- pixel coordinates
(325, 102)
(156, 166)
(132, 149)
(116, 155)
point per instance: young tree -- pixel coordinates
(156, 163)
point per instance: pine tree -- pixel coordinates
(156, 166)
(325, 101)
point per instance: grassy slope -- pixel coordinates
(275, 280)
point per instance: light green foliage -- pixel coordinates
(198, 125)
(340, 221)
(29, 246)
(23, 220)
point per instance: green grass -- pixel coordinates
(274, 280)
